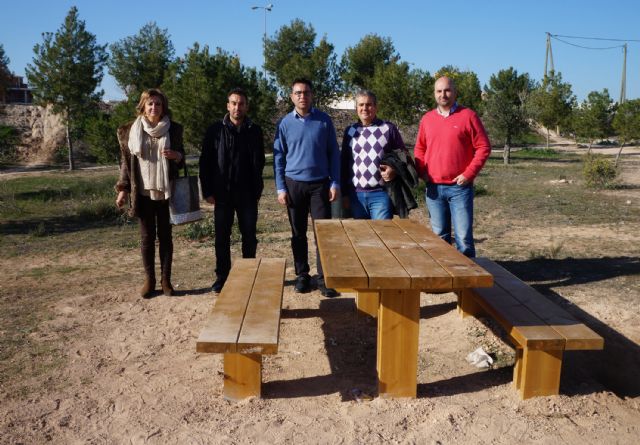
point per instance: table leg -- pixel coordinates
(398, 332)
(367, 302)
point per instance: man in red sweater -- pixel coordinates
(451, 149)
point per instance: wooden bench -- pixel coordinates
(245, 323)
(540, 330)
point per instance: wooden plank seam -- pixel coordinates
(244, 313)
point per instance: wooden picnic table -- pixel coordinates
(388, 263)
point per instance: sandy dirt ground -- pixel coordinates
(130, 372)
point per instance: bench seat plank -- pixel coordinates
(520, 323)
(577, 335)
(220, 333)
(261, 326)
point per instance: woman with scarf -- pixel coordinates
(151, 155)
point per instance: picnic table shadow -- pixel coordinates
(350, 344)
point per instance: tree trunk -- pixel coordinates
(615, 163)
(70, 148)
(506, 153)
(547, 138)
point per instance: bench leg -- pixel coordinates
(397, 360)
(537, 372)
(467, 305)
(367, 302)
(242, 375)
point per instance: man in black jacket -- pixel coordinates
(231, 166)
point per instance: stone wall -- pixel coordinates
(40, 131)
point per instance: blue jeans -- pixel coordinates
(371, 205)
(452, 203)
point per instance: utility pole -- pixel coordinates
(623, 85)
(548, 56)
(266, 8)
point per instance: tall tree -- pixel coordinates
(403, 94)
(504, 108)
(359, 61)
(5, 74)
(66, 71)
(627, 123)
(552, 102)
(292, 53)
(139, 62)
(197, 86)
(467, 85)
(593, 118)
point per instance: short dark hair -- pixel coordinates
(367, 93)
(303, 80)
(239, 91)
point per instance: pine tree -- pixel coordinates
(359, 62)
(139, 62)
(5, 74)
(552, 102)
(66, 71)
(197, 87)
(292, 53)
(504, 109)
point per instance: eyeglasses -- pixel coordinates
(302, 93)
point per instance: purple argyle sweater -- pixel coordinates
(362, 150)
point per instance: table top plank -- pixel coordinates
(465, 272)
(383, 269)
(340, 262)
(261, 326)
(426, 273)
(220, 332)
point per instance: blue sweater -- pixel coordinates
(306, 149)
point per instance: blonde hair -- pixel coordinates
(153, 92)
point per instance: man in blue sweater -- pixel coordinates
(306, 162)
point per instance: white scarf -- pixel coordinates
(154, 168)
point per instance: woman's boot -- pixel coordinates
(148, 260)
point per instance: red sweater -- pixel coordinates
(449, 146)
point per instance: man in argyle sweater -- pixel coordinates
(363, 146)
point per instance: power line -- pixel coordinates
(594, 38)
(586, 47)
(623, 83)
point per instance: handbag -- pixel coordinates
(184, 203)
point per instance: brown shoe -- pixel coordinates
(167, 288)
(148, 287)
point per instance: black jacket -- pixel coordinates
(400, 188)
(232, 160)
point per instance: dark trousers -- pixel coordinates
(247, 210)
(305, 197)
(154, 218)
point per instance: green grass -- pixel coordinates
(525, 190)
(535, 153)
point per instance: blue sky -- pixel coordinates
(483, 36)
